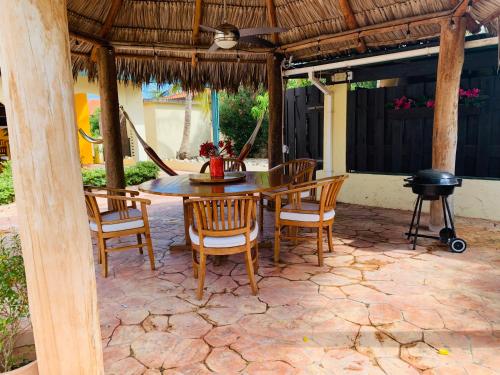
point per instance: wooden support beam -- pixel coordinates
(110, 117)
(271, 17)
(351, 22)
(275, 89)
(53, 224)
(108, 23)
(445, 130)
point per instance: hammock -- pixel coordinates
(88, 138)
(245, 150)
(149, 151)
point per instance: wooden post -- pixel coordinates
(53, 225)
(110, 117)
(275, 132)
(445, 131)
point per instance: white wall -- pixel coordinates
(476, 198)
(130, 97)
(165, 124)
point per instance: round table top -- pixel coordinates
(181, 186)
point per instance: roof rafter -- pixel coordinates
(271, 16)
(108, 23)
(351, 22)
(195, 39)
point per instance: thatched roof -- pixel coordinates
(154, 40)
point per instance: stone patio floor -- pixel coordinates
(376, 307)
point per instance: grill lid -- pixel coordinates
(434, 177)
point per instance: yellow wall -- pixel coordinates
(83, 122)
(476, 198)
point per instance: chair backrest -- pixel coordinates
(92, 207)
(301, 170)
(224, 216)
(230, 165)
(330, 189)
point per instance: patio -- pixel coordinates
(376, 307)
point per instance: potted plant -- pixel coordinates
(14, 312)
(216, 155)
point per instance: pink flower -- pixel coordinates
(475, 92)
(462, 92)
(407, 105)
(429, 103)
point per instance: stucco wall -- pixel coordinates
(476, 198)
(166, 122)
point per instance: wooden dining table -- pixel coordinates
(182, 186)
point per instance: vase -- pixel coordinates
(216, 167)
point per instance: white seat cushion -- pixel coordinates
(229, 241)
(133, 224)
(301, 216)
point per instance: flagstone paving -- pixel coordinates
(376, 307)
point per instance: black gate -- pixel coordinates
(304, 124)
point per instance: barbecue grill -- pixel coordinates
(431, 184)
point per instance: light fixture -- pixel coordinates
(227, 36)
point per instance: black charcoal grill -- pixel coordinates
(431, 184)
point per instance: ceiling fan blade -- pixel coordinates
(208, 29)
(256, 40)
(261, 31)
(213, 47)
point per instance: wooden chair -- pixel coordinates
(308, 214)
(230, 165)
(124, 220)
(223, 226)
(301, 170)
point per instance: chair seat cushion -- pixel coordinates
(133, 224)
(229, 241)
(304, 216)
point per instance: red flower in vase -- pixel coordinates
(208, 149)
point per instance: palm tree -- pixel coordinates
(188, 106)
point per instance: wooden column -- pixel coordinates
(445, 131)
(275, 132)
(110, 117)
(53, 225)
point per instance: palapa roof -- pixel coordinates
(158, 39)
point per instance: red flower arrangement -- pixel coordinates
(208, 149)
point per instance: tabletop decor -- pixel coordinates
(216, 155)
(202, 178)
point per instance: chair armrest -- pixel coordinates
(132, 193)
(296, 189)
(120, 198)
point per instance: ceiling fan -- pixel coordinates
(228, 35)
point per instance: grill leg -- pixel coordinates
(413, 218)
(443, 201)
(452, 224)
(418, 222)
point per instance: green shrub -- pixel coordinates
(6, 183)
(13, 299)
(134, 174)
(94, 177)
(142, 171)
(238, 115)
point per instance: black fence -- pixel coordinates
(399, 141)
(304, 124)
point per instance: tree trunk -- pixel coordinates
(183, 150)
(53, 224)
(445, 130)
(275, 132)
(110, 118)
